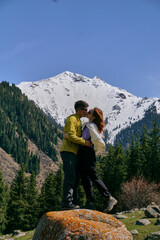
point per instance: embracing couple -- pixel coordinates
(80, 142)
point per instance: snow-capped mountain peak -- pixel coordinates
(56, 97)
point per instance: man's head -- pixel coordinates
(81, 107)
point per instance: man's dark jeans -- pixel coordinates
(70, 177)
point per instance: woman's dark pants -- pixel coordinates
(88, 172)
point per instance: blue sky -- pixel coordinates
(117, 40)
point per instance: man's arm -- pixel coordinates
(71, 134)
(87, 142)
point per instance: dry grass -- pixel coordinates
(8, 166)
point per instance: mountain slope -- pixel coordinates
(26, 136)
(56, 97)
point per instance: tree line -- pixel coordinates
(23, 204)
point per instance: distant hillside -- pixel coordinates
(26, 136)
(137, 128)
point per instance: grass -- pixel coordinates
(28, 236)
(142, 230)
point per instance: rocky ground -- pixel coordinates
(144, 224)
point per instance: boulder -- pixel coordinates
(158, 222)
(143, 209)
(134, 232)
(153, 236)
(156, 208)
(152, 211)
(7, 236)
(142, 221)
(80, 224)
(18, 233)
(120, 216)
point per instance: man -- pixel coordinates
(69, 151)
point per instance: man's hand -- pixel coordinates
(88, 143)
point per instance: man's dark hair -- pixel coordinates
(80, 104)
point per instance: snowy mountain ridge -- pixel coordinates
(56, 97)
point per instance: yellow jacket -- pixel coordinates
(73, 129)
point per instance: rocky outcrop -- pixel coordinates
(80, 224)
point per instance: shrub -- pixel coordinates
(138, 193)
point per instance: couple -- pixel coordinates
(78, 154)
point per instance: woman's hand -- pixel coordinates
(88, 143)
(64, 135)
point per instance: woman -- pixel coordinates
(93, 131)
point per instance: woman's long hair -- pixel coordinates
(98, 114)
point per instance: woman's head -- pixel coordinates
(95, 115)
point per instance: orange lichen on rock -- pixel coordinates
(80, 224)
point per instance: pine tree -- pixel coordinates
(33, 203)
(145, 152)
(59, 176)
(120, 170)
(48, 194)
(107, 166)
(154, 159)
(139, 163)
(134, 159)
(17, 206)
(3, 203)
(101, 167)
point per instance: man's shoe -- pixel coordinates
(70, 206)
(111, 202)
